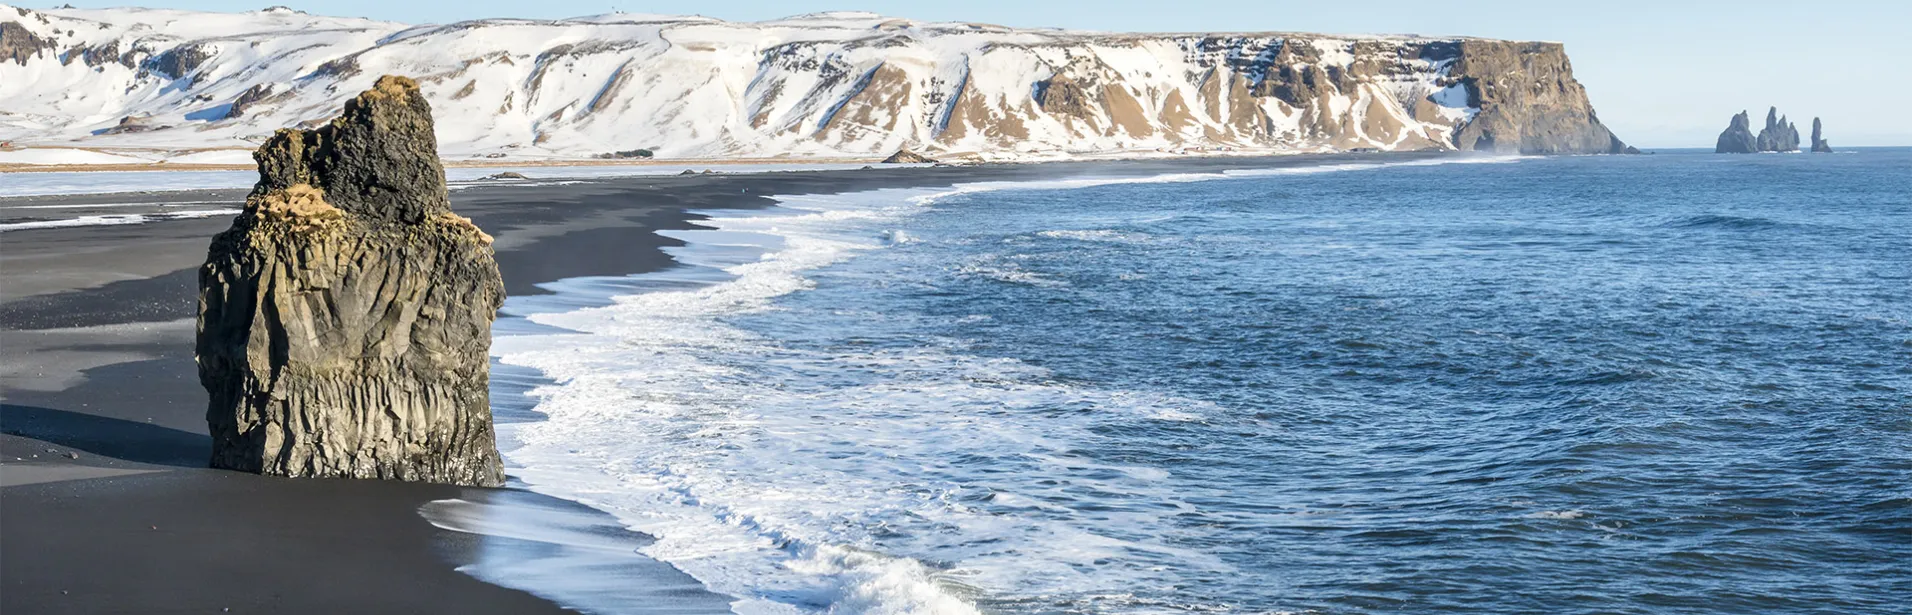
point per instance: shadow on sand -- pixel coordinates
(108, 437)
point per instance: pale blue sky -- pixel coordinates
(1665, 73)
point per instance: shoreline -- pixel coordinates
(965, 159)
(108, 377)
(709, 269)
(141, 167)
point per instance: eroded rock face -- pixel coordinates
(252, 96)
(1529, 101)
(17, 44)
(1063, 95)
(1738, 137)
(856, 88)
(179, 62)
(1779, 135)
(1819, 144)
(345, 318)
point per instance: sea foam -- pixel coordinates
(803, 479)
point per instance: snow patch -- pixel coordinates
(825, 85)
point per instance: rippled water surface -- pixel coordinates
(1655, 384)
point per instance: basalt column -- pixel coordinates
(345, 318)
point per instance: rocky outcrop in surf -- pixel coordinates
(1779, 135)
(1819, 143)
(345, 318)
(1738, 137)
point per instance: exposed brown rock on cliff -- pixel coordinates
(1125, 111)
(345, 318)
(255, 95)
(1225, 97)
(1529, 101)
(1065, 98)
(972, 114)
(1294, 76)
(180, 62)
(1299, 79)
(907, 157)
(609, 94)
(17, 44)
(1176, 118)
(876, 103)
(101, 55)
(132, 124)
(930, 87)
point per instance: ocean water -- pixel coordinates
(1678, 383)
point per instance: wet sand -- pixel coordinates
(105, 503)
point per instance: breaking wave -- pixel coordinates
(859, 477)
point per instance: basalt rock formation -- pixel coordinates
(1738, 138)
(1819, 144)
(1779, 135)
(345, 318)
(1529, 102)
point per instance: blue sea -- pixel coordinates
(1674, 383)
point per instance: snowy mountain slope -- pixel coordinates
(824, 85)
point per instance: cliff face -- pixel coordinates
(836, 84)
(1529, 101)
(345, 318)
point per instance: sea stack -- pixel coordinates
(1779, 135)
(1738, 138)
(1819, 144)
(345, 318)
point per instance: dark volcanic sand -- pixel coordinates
(95, 361)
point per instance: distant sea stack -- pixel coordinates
(1779, 135)
(1738, 138)
(345, 318)
(1819, 144)
(840, 84)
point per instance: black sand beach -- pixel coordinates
(105, 503)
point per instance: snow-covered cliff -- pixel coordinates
(826, 85)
